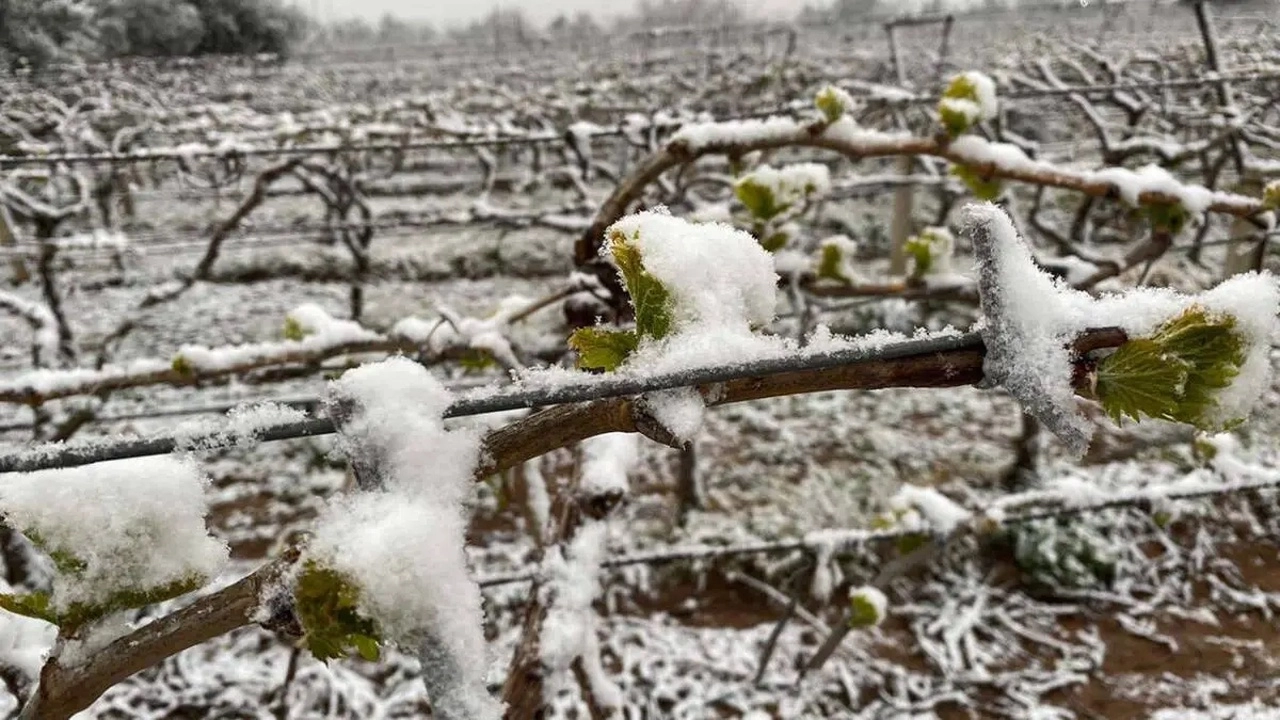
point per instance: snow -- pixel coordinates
(679, 411)
(700, 137)
(399, 409)
(1253, 710)
(791, 184)
(941, 513)
(453, 330)
(569, 630)
(847, 131)
(402, 538)
(985, 105)
(136, 525)
(607, 462)
(985, 88)
(718, 276)
(1130, 184)
(323, 332)
(24, 641)
(313, 319)
(47, 381)
(1155, 179)
(241, 427)
(1027, 328)
(1031, 318)
(874, 597)
(43, 324)
(406, 555)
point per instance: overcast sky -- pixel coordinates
(445, 12)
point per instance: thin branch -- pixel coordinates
(949, 361)
(987, 159)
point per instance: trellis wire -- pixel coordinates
(7, 161)
(848, 538)
(591, 388)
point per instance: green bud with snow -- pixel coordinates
(931, 251)
(1169, 218)
(833, 103)
(1176, 373)
(868, 606)
(758, 199)
(182, 366)
(834, 261)
(1203, 449)
(897, 519)
(983, 188)
(767, 192)
(328, 604)
(1271, 195)
(969, 99)
(293, 329)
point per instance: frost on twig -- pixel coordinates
(389, 563)
(568, 638)
(1201, 360)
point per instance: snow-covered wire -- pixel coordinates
(586, 389)
(843, 539)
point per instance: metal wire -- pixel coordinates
(848, 538)
(589, 388)
(8, 161)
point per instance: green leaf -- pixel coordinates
(33, 605)
(921, 252)
(293, 329)
(649, 297)
(367, 647)
(328, 607)
(1271, 195)
(953, 119)
(1176, 373)
(981, 187)
(829, 265)
(758, 199)
(911, 542)
(775, 242)
(183, 366)
(1058, 553)
(601, 348)
(476, 360)
(1171, 218)
(863, 611)
(830, 103)
(1139, 378)
(1214, 352)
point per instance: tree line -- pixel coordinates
(34, 33)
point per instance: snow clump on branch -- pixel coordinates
(115, 530)
(1200, 359)
(400, 541)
